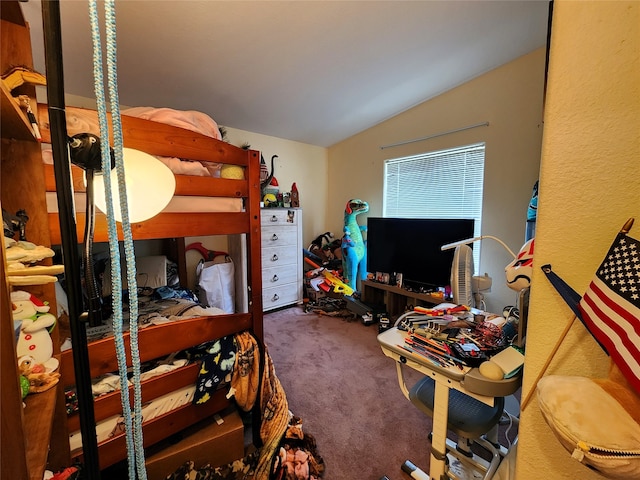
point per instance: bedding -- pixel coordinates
(177, 204)
(114, 425)
(217, 359)
(156, 306)
(189, 119)
(177, 165)
(165, 305)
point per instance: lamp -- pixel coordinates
(149, 183)
(449, 246)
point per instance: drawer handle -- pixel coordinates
(274, 258)
(275, 278)
(275, 297)
(274, 218)
(274, 237)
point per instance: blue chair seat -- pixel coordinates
(467, 417)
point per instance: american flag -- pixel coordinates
(611, 306)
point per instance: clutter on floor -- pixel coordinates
(327, 292)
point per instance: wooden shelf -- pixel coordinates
(394, 298)
(15, 124)
(28, 434)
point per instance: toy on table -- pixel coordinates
(34, 339)
(354, 249)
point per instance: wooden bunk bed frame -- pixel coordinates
(158, 341)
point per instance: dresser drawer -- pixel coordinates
(272, 277)
(275, 297)
(278, 236)
(276, 256)
(278, 217)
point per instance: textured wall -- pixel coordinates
(589, 186)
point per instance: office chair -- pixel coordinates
(471, 420)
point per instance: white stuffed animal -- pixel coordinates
(34, 339)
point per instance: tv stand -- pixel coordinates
(396, 299)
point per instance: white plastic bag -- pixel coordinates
(216, 284)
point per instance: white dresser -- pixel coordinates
(282, 275)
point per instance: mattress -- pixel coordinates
(178, 204)
(113, 426)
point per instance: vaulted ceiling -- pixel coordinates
(310, 71)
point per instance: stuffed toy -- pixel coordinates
(34, 339)
(21, 256)
(323, 245)
(354, 249)
(26, 252)
(38, 378)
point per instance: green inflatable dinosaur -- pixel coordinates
(354, 248)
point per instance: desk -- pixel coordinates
(468, 381)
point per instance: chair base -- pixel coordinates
(463, 461)
(460, 466)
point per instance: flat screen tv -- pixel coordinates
(412, 247)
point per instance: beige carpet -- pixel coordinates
(346, 391)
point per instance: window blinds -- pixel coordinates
(443, 184)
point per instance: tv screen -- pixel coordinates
(412, 247)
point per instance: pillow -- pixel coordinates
(151, 271)
(591, 424)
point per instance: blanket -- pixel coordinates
(190, 119)
(253, 381)
(284, 452)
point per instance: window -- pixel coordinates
(443, 184)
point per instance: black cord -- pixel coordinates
(94, 306)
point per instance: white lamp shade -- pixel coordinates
(150, 185)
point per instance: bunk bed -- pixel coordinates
(236, 214)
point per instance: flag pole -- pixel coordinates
(546, 365)
(625, 229)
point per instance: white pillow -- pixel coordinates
(151, 272)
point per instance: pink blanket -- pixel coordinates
(188, 119)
